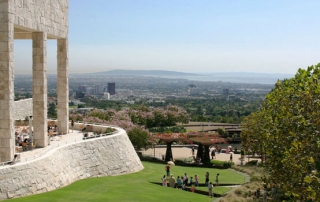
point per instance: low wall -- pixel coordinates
(105, 156)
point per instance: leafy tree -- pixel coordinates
(290, 126)
(252, 135)
(52, 113)
(139, 138)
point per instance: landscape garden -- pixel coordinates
(283, 137)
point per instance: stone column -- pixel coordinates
(40, 125)
(7, 139)
(63, 86)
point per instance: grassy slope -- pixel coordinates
(133, 187)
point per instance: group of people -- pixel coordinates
(53, 128)
(217, 149)
(22, 141)
(182, 181)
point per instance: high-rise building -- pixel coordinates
(97, 89)
(112, 88)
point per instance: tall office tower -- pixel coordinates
(97, 89)
(112, 88)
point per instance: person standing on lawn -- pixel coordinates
(217, 179)
(179, 183)
(167, 168)
(164, 181)
(207, 178)
(196, 180)
(172, 181)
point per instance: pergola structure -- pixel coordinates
(37, 20)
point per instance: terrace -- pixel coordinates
(69, 158)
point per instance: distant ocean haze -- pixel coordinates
(233, 77)
(237, 78)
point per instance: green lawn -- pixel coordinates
(135, 187)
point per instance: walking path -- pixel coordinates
(185, 152)
(54, 142)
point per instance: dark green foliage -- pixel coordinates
(174, 129)
(286, 130)
(52, 112)
(139, 138)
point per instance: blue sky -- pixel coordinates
(264, 36)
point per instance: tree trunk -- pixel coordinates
(200, 151)
(169, 152)
(206, 156)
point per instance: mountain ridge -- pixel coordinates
(146, 73)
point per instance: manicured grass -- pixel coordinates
(134, 187)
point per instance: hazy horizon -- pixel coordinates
(184, 35)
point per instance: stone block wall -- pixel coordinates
(22, 109)
(107, 156)
(49, 16)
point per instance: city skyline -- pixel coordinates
(186, 36)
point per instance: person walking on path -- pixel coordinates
(192, 151)
(167, 168)
(217, 179)
(213, 154)
(210, 187)
(230, 157)
(72, 124)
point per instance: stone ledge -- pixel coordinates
(106, 156)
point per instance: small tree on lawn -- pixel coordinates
(170, 138)
(204, 141)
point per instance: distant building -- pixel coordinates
(112, 88)
(106, 96)
(97, 89)
(225, 91)
(89, 91)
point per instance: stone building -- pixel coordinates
(39, 21)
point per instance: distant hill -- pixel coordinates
(145, 73)
(233, 77)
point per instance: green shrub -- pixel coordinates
(252, 163)
(217, 162)
(221, 163)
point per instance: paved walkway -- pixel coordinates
(184, 152)
(57, 141)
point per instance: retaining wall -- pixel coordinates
(105, 156)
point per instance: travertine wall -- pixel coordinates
(49, 16)
(22, 108)
(105, 156)
(38, 20)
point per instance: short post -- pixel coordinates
(154, 150)
(30, 130)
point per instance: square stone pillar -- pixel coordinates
(7, 139)
(63, 86)
(39, 88)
